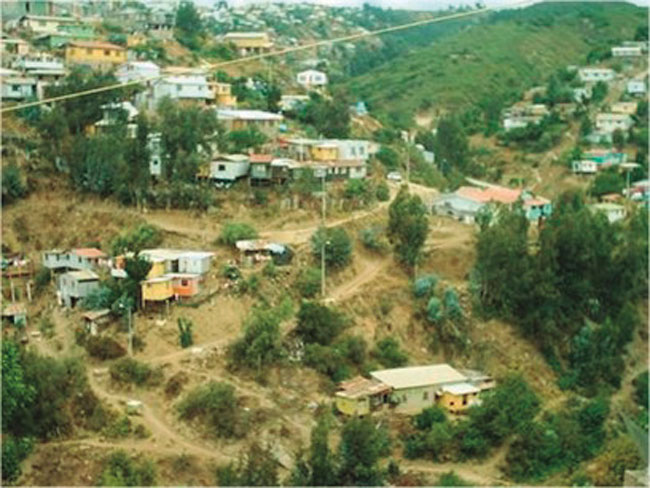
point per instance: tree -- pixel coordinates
(599, 92)
(308, 282)
(242, 140)
(408, 226)
(236, 231)
(318, 323)
(608, 181)
(17, 395)
(13, 187)
(258, 467)
(189, 25)
(451, 145)
(362, 445)
(136, 239)
(337, 243)
(322, 462)
(388, 157)
(331, 118)
(618, 139)
(137, 162)
(215, 404)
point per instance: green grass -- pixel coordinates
(504, 55)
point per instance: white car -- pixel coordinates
(394, 176)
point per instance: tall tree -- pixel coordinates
(362, 445)
(452, 147)
(408, 226)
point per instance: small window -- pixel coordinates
(183, 282)
(404, 398)
(451, 403)
(425, 395)
(464, 399)
(221, 167)
(107, 52)
(89, 51)
(178, 88)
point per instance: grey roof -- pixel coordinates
(417, 376)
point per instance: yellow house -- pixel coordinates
(157, 289)
(223, 94)
(249, 42)
(158, 268)
(458, 398)
(325, 152)
(97, 54)
(359, 396)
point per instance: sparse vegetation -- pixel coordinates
(129, 370)
(236, 231)
(216, 406)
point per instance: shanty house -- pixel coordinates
(95, 318)
(192, 88)
(74, 286)
(626, 51)
(593, 75)
(360, 396)
(195, 262)
(229, 168)
(608, 123)
(636, 87)
(292, 102)
(15, 313)
(158, 289)
(249, 42)
(18, 88)
(137, 71)
(185, 285)
(584, 166)
(311, 78)
(258, 250)
(235, 119)
(223, 95)
(95, 54)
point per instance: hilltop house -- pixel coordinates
(66, 33)
(584, 166)
(112, 113)
(258, 250)
(229, 168)
(13, 46)
(44, 24)
(192, 88)
(626, 108)
(18, 88)
(519, 116)
(249, 42)
(223, 96)
(12, 9)
(79, 259)
(409, 390)
(593, 75)
(177, 261)
(234, 119)
(604, 157)
(137, 71)
(185, 285)
(158, 289)
(160, 24)
(95, 54)
(265, 169)
(626, 51)
(608, 123)
(467, 201)
(311, 78)
(636, 87)
(330, 149)
(612, 211)
(293, 102)
(74, 286)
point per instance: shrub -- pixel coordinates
(371, 238)
(13, 187)
(270, 270)
(327, 360)
(175, 384)
(382, 192)
(338, 246)
(388, 157)
(122, 470)
(434, 310)
(452, 306)
(185, 332)
(353, 348)
(215, 404)
(429, 416)
(119, 428)
(42, 278)
(46, 327)
(236, 231)
(258, 467)
(425, 285)
(129, 370)
(14, 450)
(308, 282)
(451, 479)
(99, 298)
(388, 353)
(101, 347)
(641, 389)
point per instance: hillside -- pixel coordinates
(501, 57)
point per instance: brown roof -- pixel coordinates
(95, 45)
(89, 252)
(489, 194)
(360, 386)
(13, 309)
(260, 158)
(96, 314)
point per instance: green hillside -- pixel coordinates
(507, 53)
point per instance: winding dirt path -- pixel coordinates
(368, 273)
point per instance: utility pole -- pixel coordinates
(324, 235)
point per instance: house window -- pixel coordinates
(89, 51)
(464, 399)
(183, 282)
(425, 395)
(451, 403)
(107, 52)
(221, 167)
(178, 88)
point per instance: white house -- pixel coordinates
(195, 262)
(628, 108)
(584, 166)
(311, 78)
(292, 102)
(636, 87)
(236, 119)
(155, 153)
(626, 51)
(592, 75)
(613, 211)
(40, 66)
(137, 71)
(229, 168)
(192, 88)
(112, 111)
(608, 123)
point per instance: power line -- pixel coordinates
(348, 38)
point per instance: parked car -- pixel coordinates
(394, 176)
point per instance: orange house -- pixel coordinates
(185, 285)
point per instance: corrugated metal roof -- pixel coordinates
(417, 376)
(83, 275)
(460, 389)
(360, 386)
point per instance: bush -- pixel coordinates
(434, 311)
(122, 470)
(452, 306)
(185, 332)
(429, 416)
(175, 384)
(641, 389)
(42, 278)
(388, 157)
(327, 360)
(382, 192)
(216, 405)
(236, 231)
(338, 247)
(451, 479)
(258, 467)
(14, 451)
(318, 323)
(425, 285)
(129, 370)
(101, 347)
(308, 282)
(372, 239)
(136, 239)
(13, 187)
(388, 353)
(119, 428)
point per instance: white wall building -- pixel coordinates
(136, 70)
(608, 123)
(626, 51)
(311, 78)
(593, 75)
(193, 88)
(636, 87)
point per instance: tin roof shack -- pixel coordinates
(257, 250)
(157, 290)
(418, 387)
(96, 318)
(614, 212)
(15, 314)
(18, 88)
(360, 396)
(227, 169)
(185, 285)
(195, 262)
(74, 286)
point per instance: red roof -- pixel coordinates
(260, 158)
(489, 194)
(89, 252)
